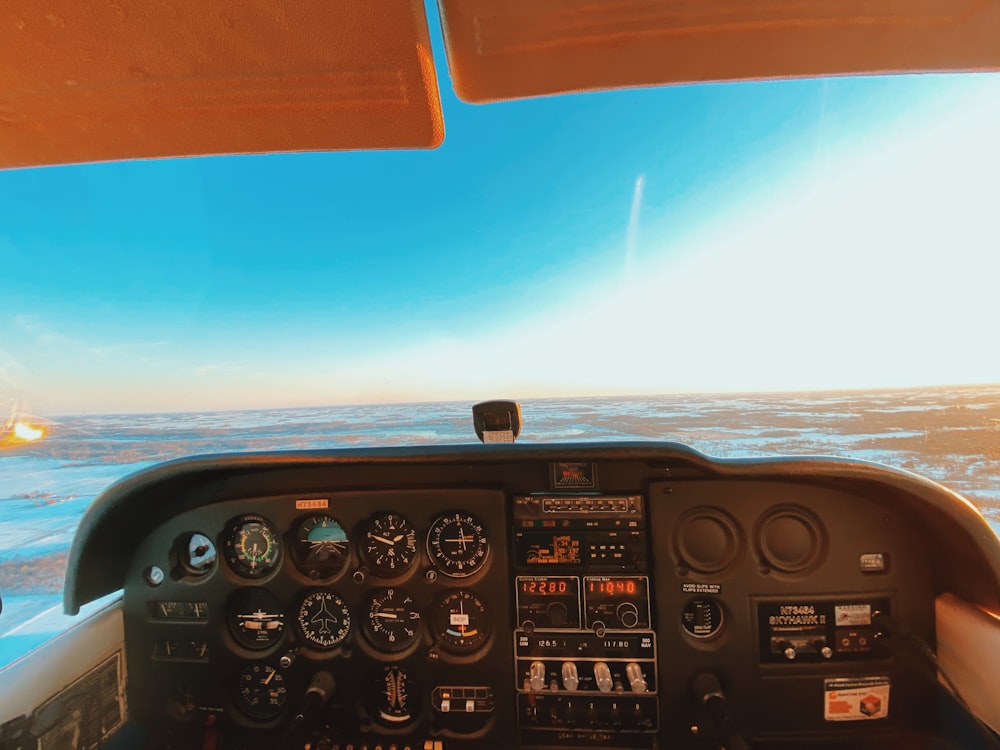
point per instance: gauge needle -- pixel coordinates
(387, 615)
(383, 539)
(270, 677)
(397, 538)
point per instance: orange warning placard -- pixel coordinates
(856, 698)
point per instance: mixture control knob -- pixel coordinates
(570, 678)
(628, 614)
(602, 676)
(536, 675)
(636, 680)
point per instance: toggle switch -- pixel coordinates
(570, 677)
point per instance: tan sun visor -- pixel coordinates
(99, 80)
(502, 49)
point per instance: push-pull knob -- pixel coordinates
(570, 678)
(602, 676)
(636, 680)
(536, 675)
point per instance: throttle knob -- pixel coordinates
(602, 676)
(570, 678)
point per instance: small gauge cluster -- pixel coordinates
(457, 546)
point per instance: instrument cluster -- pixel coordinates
(388, 609)
(390, 619)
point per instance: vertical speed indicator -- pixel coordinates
(457, 544)
(393, 619)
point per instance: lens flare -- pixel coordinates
(16, 431)
(27, 433)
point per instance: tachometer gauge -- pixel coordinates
(321, 546)
(393, 619)
(255, 618)
(457, 544)
(390, 545)
(393, 699)
(260, 691)
(324, 619)
(461, 622)
(252, 548)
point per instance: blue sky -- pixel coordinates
(599, 243)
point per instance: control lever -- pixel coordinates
(706, 689)
(320, 691)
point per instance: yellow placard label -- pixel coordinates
(318, 503)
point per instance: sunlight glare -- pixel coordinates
(27, 433)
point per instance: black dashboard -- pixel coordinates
(604, 595)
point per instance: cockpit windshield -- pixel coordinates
(804, 266)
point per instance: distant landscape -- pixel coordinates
(951, 435)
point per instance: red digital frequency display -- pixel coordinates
(545, 586)
(598, 587)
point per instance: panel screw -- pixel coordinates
(155, 575)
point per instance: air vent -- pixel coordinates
(706, 540)
(790, 539)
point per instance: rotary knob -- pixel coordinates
(822, 649)
(602, 676)
(557, 614)
(536, 675)
(628, 614)
(570, 678)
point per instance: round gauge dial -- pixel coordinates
(457, 544)
(393, 699)
(703, 617)
(324, 619)
(261, 692)
(255, 618)
(390, 545)
(461, 621)
(252, 548)
(393, 619)
(321, 546)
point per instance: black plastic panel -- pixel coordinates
(722, 549)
